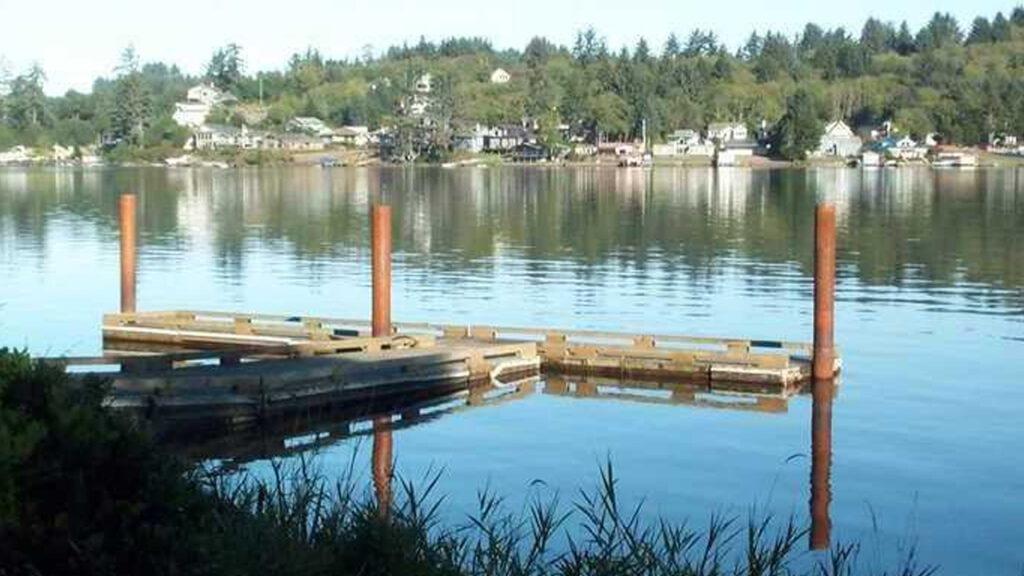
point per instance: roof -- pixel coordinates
(839, 129)
(223, 129)
(352, 131)
(725, 125)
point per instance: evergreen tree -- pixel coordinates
(225, 67)
(776, 59)
(941, 31)
(799, 130)
(752, 48)
(981, 31)
(26, 103)
(540, 98)
(1017, 17)
(642, 53)
(131, 101)
(1001, 30)
(672, 47)
(811, 39)
(877, 36)
(904, 42)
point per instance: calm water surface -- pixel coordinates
(927, 433)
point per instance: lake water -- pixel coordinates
(927, 434)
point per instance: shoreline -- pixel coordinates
(355, 159)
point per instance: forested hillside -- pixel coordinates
(961, 80)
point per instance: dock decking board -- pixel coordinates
(246, 367)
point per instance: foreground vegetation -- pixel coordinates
(962, 81)
(82, 491)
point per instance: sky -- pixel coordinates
(75, 41)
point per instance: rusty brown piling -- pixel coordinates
(128, 253)
(824, 291)
(380, 230)
(382, 461)
(821, 464)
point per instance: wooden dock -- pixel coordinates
(195, 366)
(771, 364)
(239, 368)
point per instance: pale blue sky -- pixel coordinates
(76, 40)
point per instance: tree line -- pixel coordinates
(963, 82)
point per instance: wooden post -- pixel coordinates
(381, 463)
(824, 291)
(128, 234)
(380, 230)
(821, 464)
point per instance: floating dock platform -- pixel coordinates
(237, 369)
(200, 367)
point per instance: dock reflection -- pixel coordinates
(745, 397)
(381, 423)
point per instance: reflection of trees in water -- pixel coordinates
(897, 227)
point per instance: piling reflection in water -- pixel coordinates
(823, 393)
(382, 462)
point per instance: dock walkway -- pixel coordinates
(239, 368)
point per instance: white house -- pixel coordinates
(199, 100)
(685, 137)
(906, 149)
(500, 76)
(208, 94)
(190, 114)
(300, 142)
(722, 132)
(732, 156)
(358, 136)
(215, 137)
(838, 140)
(309, 125)
(61, 153)
(17, 155)
(425, 83)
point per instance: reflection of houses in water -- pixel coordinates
(903, 190)
(728, 200)
(840, 186)
(14, 182)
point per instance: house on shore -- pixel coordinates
(221, 137)
(210, 95)
(493, 139)
(311, 126)
(903, 149)
(16, 155)
(838, 141)
(724, 132)
(300, 142)
(685, 142)
(529, 152)
(425, 83)
(199, 101)
(354, 136)
(190, 114)
(500, 76)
